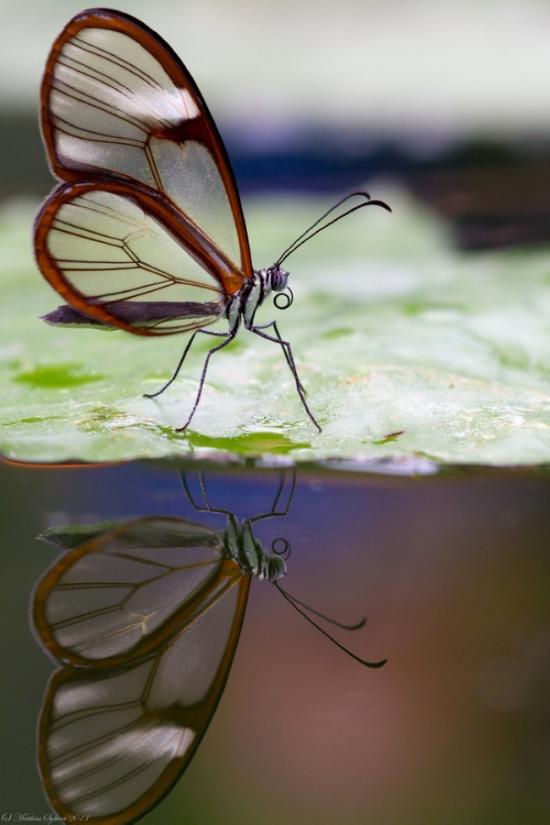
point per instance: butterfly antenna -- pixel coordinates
(356, 626)
(306, 236)
(288, 250)
(297, 606)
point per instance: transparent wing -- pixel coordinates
(124, 258)
(120, 595)
(117, 101)
(112, 744)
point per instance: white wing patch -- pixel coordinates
(113, 106)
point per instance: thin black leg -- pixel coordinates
(288, 353)
(274, 512)
(230, 335)
(202, 485)
(182, 359)
(290, 361)
(189, 494)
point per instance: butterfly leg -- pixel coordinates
(285, 345)
(274, 512)
(288, 352)
(228, 338)
(182, 359)
(207, 508)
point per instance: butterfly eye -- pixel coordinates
(279, 279)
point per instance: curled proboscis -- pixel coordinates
(284, 299)
(281, 547)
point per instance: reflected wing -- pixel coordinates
(116, 101)
(117, 597)
(125, 257)
(112, 744)
(149, 532)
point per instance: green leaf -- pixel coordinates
(413, 355)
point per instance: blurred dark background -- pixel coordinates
(448, 99)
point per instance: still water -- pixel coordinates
(138, 620)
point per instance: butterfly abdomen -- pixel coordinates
(137, 312)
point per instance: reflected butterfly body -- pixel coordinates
(146, 232)
(146, 617)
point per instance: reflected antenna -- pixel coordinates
(298, 605)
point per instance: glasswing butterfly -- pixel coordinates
(145, 616)
(146, 232)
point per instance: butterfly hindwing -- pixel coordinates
(112, 743)
(128, 259)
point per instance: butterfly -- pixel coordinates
(145, 616)
(146, 232)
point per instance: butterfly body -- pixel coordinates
(240, 307)
(252, 294)
(146, 231)
(246, 550)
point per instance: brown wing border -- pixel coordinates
(176, 70)
(184, 231)
(203, 713)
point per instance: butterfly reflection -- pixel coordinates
(145, 617)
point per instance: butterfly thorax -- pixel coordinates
(244, 548)
(253, 293)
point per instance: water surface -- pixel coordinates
(451, 572)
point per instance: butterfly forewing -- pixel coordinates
(117, 597)
(123, 257)
(117, 102)
(111, 744)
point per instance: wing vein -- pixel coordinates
(98, 51)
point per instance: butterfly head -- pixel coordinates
(266, 565)
(277, 278)
(277, 281)
(251, 555)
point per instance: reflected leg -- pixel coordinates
(274, 513)
(207, 508)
